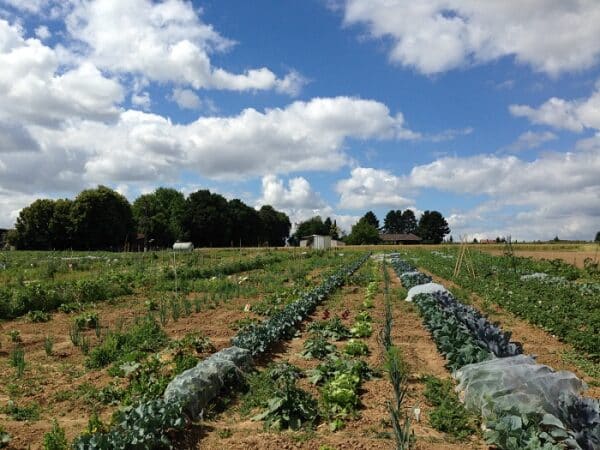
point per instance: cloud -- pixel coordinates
(185, 98)
(435, 36)
(164, 42)
(531, 139)
(573, 115)
(370, 188)
(42, 32)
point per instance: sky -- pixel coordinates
(488, 112)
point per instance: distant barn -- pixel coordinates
(183, 246)
(400, 238)
(316, 241)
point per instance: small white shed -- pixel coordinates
(316, 241)
(183, 246)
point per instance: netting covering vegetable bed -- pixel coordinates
(524, 405)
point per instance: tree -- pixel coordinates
(393, 223)
(371, 218)
(275, 226)
(244, 223)
(597, 237)
(31, 229)
(314, 225)
(205, 221)
(433, 227)
(102, 219)
(363, 232)
(334, 231)
(409, 222)
(61, 225)
(159, 216)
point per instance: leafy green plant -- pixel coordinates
(87, 321)
(449, 415)
(23, 413)
(37, 316)
(355, 347)
(15, 336)
(339, 397)
(55, 439)
(289, 406)
(5, 438)
(361, 329)
(318, 347)
(335, 366)
(330, 329)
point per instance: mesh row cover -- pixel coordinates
(197, 386)
(516, 381)
(427, 288)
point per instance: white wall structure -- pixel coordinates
(183, 246)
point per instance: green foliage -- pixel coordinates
(355, 347)
(340, 396)
(5, 438)
(449, 415)
(55, 439)
(15, 336)
(317, 347)
(87, 321)
(363, 233)
(334, 366)
(432, 227)
(144, 336)
(288, 406)
(23, 413)
(37, 316)
(330, 329)
(17, 360)
(48, 344)
(361, 329)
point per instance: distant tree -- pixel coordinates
(206, 220)
(393, 223)
(159, 216)
(409, 221)
(244, 223)
(475, 241)
(433, 227)
(275, 226)
(597, 237)
(451, 239)
(556, 239)
(102, 219)
(363, 232)
(31, 229)
(334, 231)
(314, 225)
(371, 218)
(61, 225)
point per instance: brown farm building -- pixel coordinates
(400, 238)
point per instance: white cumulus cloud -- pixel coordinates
(434, 36)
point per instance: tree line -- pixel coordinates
(103, 219)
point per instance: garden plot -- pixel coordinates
(62, 386)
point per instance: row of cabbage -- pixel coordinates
(541, 292)
(525, 405)
(153, 424)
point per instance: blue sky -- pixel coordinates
(486, 111)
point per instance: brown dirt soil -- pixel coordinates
(63, 373)
(546, 347)
(230, 430)
(572, 257)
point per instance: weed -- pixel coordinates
(87, 321)
(17, 360)
(29, 412)
(48, 344)
(15, 336)
(5, 438)
(37, 316)
(75, 335)
(163, 312)
(187, 305)
(175, 309)
(55, 439)
(225, 433)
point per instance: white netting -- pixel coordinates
(427, 288)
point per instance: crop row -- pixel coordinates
(525, 404)
(567, 309)
(152, 424)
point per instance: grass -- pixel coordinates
(25, 413)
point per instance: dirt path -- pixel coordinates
(548, 349)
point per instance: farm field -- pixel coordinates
(84, 338)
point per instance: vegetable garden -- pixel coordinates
(287, 349)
